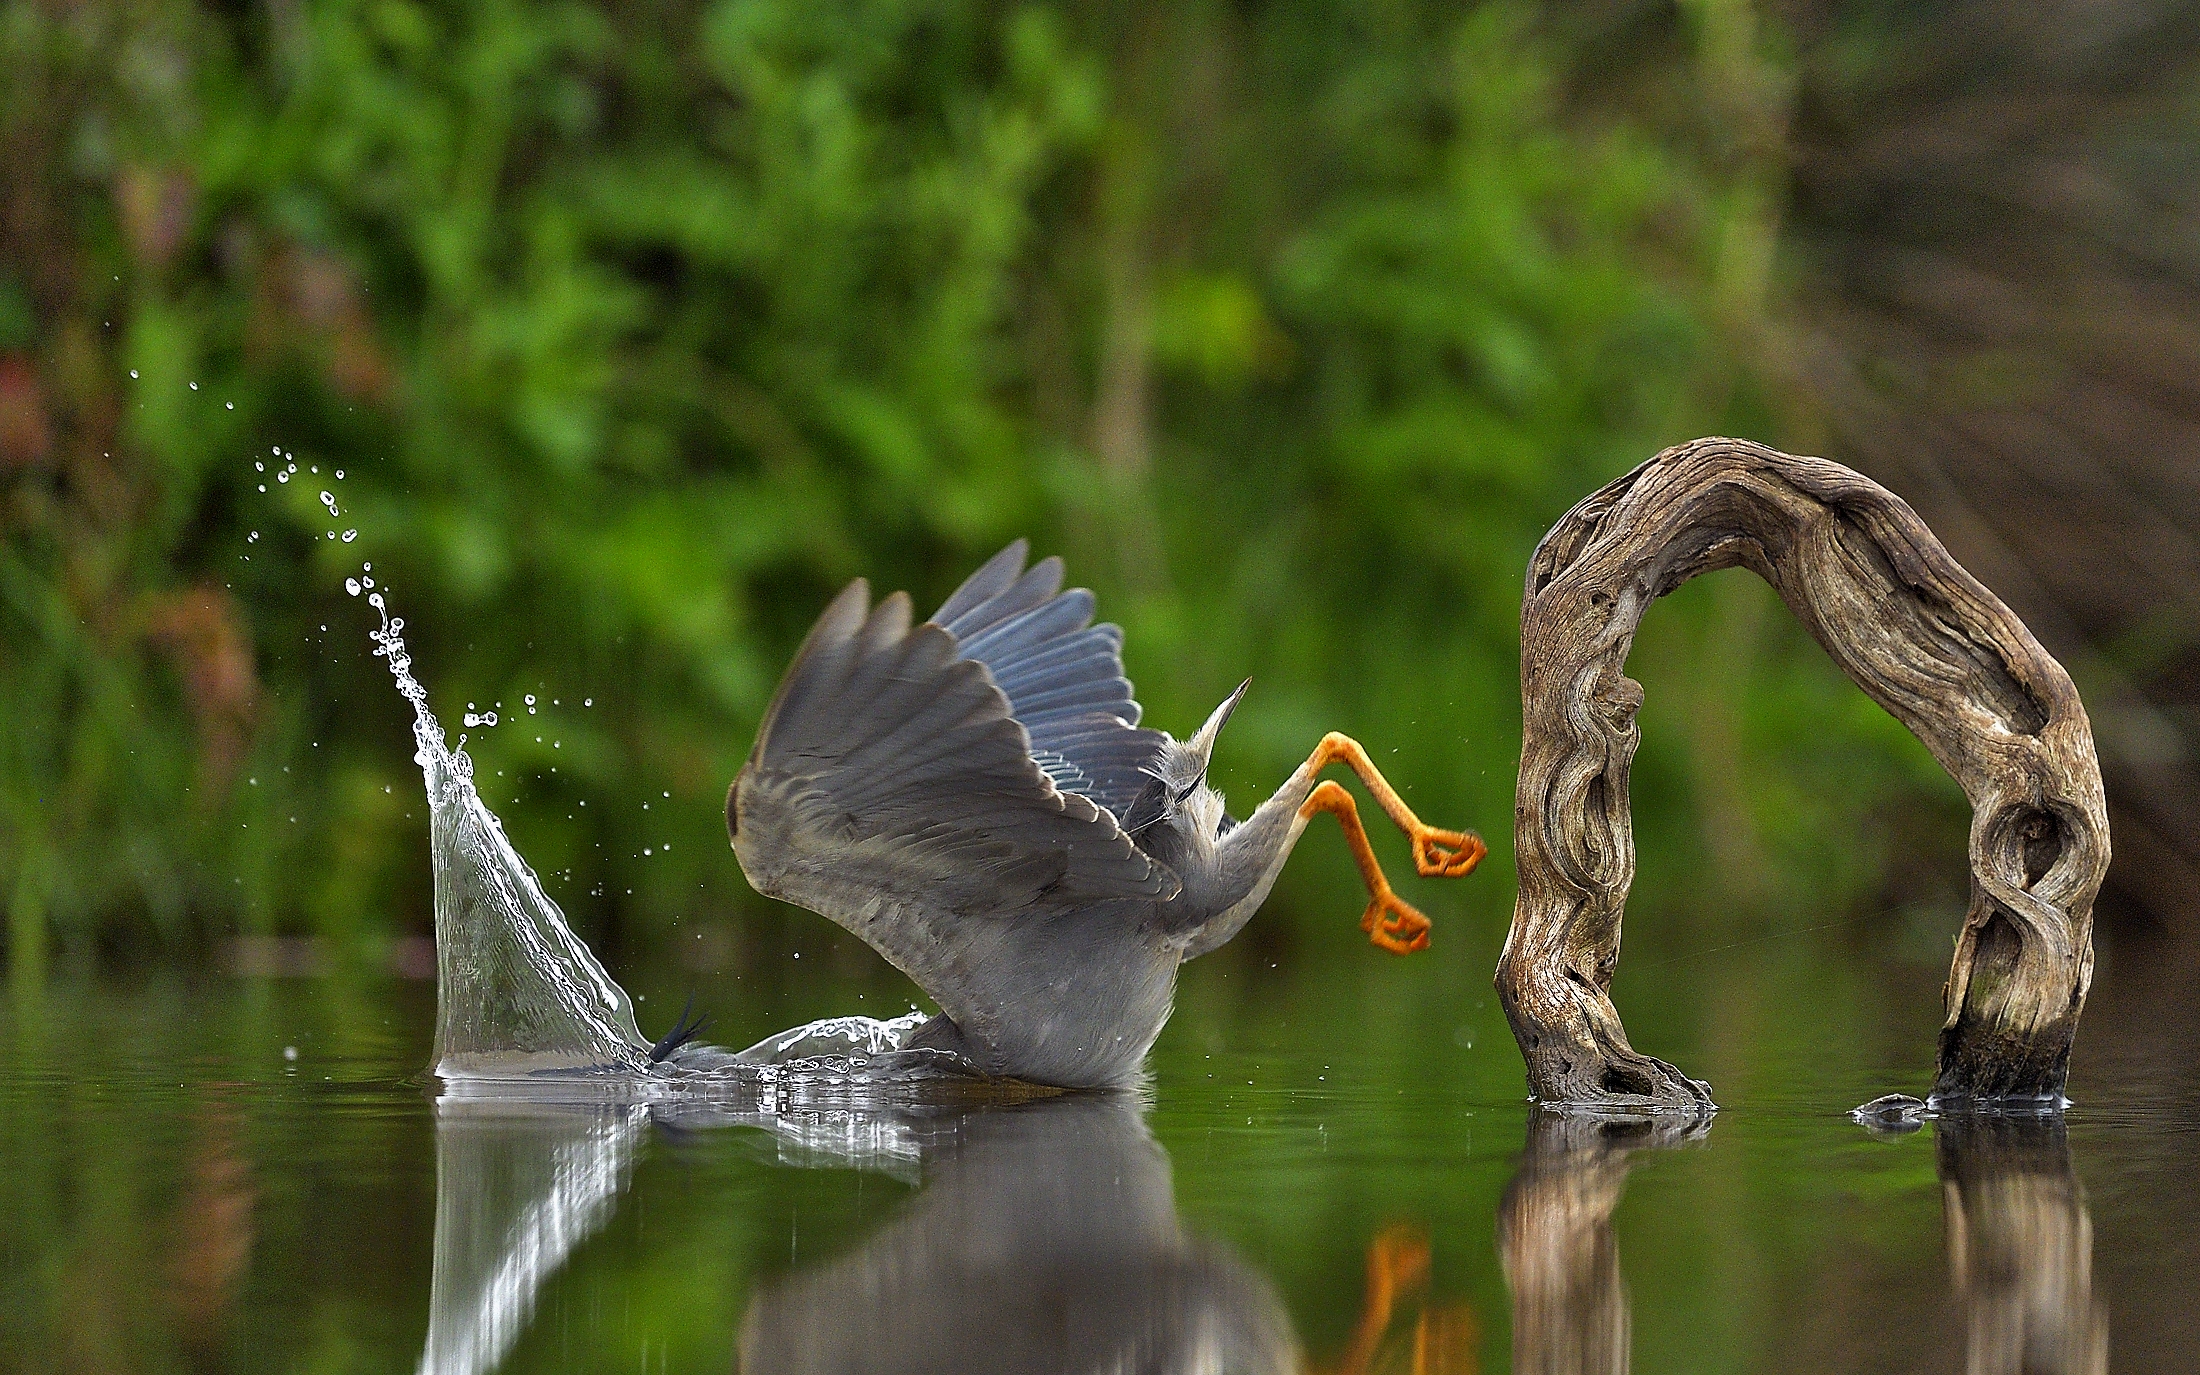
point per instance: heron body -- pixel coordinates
(972, 795)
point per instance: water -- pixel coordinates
(181, 1195)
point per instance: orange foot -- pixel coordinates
(1394, 924)
(1446, 854)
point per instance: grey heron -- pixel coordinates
(972, 796)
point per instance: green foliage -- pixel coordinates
(632, 331)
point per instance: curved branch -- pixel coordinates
(1919, 634)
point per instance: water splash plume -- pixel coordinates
(517, 993)
(519, 996)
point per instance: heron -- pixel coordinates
(973, 797)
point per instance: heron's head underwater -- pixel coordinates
(1176, 795)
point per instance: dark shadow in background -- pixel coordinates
(1997, 314)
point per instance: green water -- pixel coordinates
(179, 1195)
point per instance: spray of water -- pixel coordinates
(517, 993)
(519, 996)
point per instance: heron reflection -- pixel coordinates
(1044, 1230)
(1046, 1239)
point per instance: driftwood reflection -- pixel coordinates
(2020, 1247)
(1045, 1229)
(1554, 1234)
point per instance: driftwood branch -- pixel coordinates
(1920, 635)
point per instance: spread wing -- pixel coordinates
(1062, 675)
(891, 790)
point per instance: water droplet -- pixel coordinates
(350, 535)
(368, 581)
(366, 567)
(133, 372)
(328, 499)
(263, 486)
(316, 467)
(276, 450)
(248, 539)
(229, 405)
(283, 476)
(194, 386)
(645, 852)
(339, 474)
(351, 585)
(588, 701)
(258, 467)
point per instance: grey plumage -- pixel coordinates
(972, 795)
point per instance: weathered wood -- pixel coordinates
(1920, 635)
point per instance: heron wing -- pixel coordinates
(891, 790)
(1062, 675)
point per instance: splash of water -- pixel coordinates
(517, 993)
(520, 996)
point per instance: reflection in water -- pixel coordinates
(1554, 1233)
(2020, 1246)
(1442, 1339)
(518, 1185)
(1046, 1228)
(1046, 1232)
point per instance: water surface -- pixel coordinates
(1332, 1168)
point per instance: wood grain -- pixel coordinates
(1917, 633)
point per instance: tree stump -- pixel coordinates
(1919, 634)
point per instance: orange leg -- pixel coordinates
(1436, 853)
(1390, 921)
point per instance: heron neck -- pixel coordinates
(1247, 861)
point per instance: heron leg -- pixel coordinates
(1390, 921)
(1437, 853)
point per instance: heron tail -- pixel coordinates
(683, 1031)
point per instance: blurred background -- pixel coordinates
(625, 334)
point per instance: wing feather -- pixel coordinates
(1061, 676)
(892, 790)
